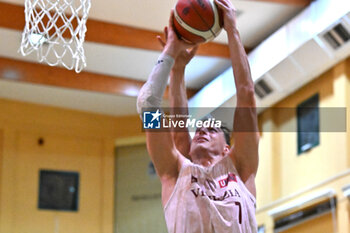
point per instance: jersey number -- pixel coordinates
(239, 211)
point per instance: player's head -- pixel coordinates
(214, 140)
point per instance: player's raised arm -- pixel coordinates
(178, 96)
(178, 99)
(245, 132)
(160, 145)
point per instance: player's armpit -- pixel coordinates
(250, 184)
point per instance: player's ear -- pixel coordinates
(227, 148)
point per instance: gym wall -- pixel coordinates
(283, 174)
(34, 137)
(138, 192)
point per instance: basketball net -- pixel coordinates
(55, 30)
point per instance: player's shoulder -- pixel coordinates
(183, 162)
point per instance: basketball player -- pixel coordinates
(214, 190)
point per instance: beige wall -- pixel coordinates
(347, 86)
(138, 200)
(73, 141)
(282, 173)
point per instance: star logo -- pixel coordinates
(155, 115)
(151, 120)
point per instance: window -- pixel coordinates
(308, 124)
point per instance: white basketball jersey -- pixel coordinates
(210, 200)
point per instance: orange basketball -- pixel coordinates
(197, 21)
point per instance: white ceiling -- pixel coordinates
(256, 22)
